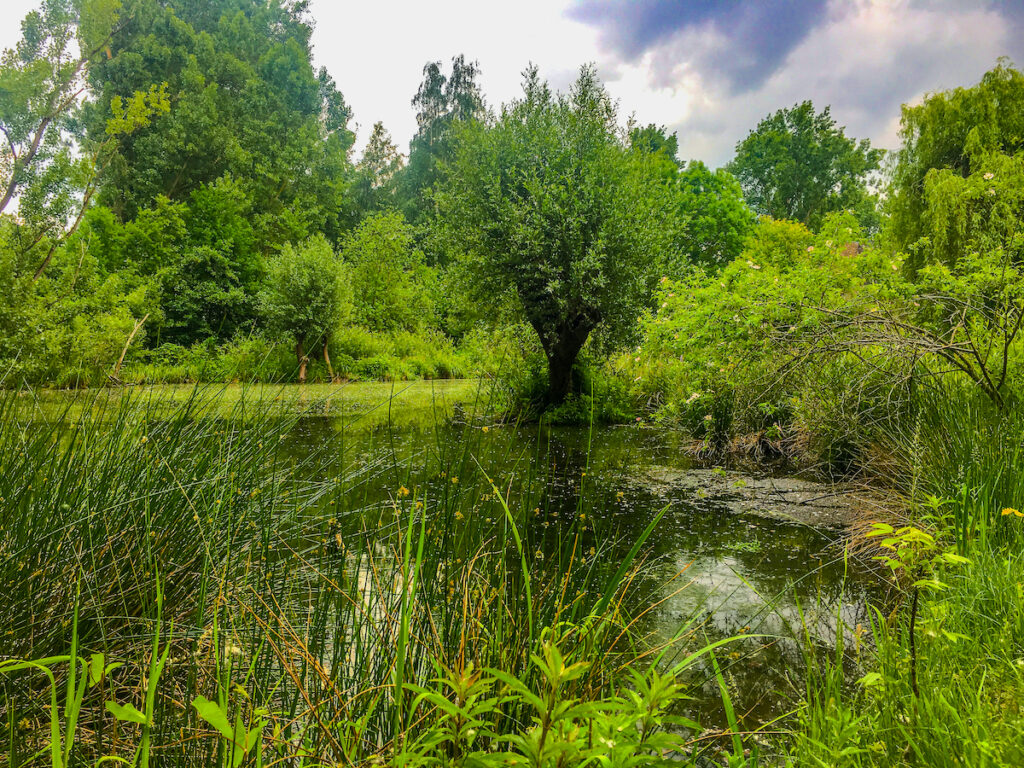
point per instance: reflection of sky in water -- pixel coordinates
(732, 573)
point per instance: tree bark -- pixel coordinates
(562, 356)
(327, 359)
(300, 353)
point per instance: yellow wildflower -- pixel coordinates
(1012, 511)
(403, 491)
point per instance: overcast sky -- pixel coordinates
(707, 69)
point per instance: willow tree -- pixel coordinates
(548, 201)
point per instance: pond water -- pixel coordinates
(724, 559)
(733, 553)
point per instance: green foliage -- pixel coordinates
(391, 284)
(201, 253)
(307, 295)
(377, 173)
(549, 203)
(39, 83)
(442, 103)
(796, 164)
(951, 133)
(653, 140)
(713, 221)
(967, 711)
(246, 104)
(713, 326)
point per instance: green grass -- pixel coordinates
(355, 405)
(179, 590)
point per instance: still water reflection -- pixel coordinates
(720, 572)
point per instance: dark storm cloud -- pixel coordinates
(743, 42)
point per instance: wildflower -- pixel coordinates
(810, 248)
(828, 243)
(752, 265)
(455, 480)
(989, 176)
(232, 650)
(144, 439)
(485, 429)
(459, 516)
(692, 397)
(593, 551)
(1012, 511)
(991, 191)
(620, 496)
(664, 280)
(403, 491)
(707, 417)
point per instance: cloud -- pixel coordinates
(742, 43)
(727, 69)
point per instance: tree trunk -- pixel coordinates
(120, 361)
(327, 359)
(561, 358)
(300, 353)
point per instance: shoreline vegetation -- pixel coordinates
(205, 600)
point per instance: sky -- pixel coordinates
(706, 69)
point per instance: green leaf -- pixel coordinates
(95, 669)
(126, 713)
(212, 713)
(871, 679)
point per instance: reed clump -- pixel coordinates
(182, 589)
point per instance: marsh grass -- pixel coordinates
(205, 598)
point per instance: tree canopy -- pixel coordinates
(951, 134)
(306, 296)
(797, 164)
(549, 201)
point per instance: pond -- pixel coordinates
(735, 553)
(746, 553)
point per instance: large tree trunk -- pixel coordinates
(327, 359)
(300, 353)
(562, 354)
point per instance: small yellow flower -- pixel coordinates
(485, 429)
(1011, 511)
(620, 496)
(455, 480)
(459, 516)
(403, 491)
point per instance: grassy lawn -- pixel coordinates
(363, 405)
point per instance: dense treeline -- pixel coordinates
(163, 187)
(183, 203)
